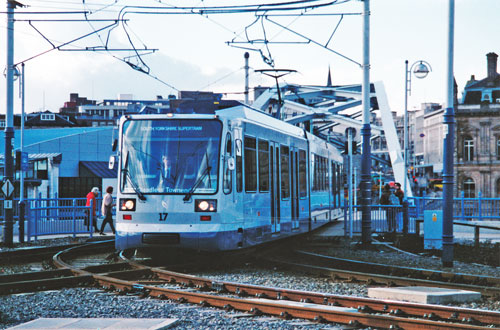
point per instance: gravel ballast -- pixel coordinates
(96, 303)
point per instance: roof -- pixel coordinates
(99, 169)
(38, 135)
(57, 156)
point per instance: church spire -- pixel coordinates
(329, 80)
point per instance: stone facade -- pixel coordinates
(478, 135)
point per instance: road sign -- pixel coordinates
(7, 188)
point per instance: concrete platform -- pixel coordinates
(332, 229)
(96, 323)
(424, 295)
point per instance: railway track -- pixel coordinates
(380, 274)
(129, 277)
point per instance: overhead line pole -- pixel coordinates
(9, 127)
(366, 132)
(448, 147)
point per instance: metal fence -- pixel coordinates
(59, 216)
(384, 219)
(53, 216)
(464, 209)
(56, 216)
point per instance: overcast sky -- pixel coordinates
(193, 54)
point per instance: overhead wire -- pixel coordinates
(204, 11)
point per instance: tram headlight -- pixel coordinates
(205, 205)
(127, 204)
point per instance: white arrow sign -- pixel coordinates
(7, 188)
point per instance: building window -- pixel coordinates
(48, 116)
(469, 188)
(498, 147)
(468, 149)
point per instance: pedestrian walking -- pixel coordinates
(107, 210)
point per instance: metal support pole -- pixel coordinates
(9, 127)
(405, 131)
(448, 148)
(247, 55)
(366, 223)
(22, 206)
(351, 200)
(355, 190)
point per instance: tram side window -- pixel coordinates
(302, 173)
(263, 166)
(320, 175)
(250, 164)
(239, 166)
(334, 183)
(285, 172)
(314, 168)
(228, 174)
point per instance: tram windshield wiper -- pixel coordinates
(126, 176)
(206, 172)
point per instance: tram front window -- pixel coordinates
(171, 156)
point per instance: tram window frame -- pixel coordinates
(302, 173)
(227, 181)
(314, 168)
(239, 164)
(263, 165)
(334, 183)
(285, 172)
(250, 155)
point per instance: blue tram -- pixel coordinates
(223, 181)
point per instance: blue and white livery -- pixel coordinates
(223, 181)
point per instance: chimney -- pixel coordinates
(492, 65)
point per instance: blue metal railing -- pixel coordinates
(384, 218)
(54, 216)
(464, 209)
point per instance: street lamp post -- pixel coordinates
(448, 146)
(420, 69)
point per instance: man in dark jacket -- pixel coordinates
(400, 194)
(390, 211)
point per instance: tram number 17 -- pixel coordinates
(163, 216)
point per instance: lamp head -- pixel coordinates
(421, 70)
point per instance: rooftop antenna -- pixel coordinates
(276, 73)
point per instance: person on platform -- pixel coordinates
(400, 194)
(388, 198)
(91, 201)
(107, 210)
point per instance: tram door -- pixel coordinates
(274, 159)
(294, 186)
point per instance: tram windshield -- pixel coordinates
(170, 156)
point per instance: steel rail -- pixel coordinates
(257, 306)
(363, 304)
(372, 279)
(402, 270)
